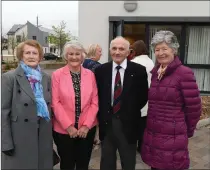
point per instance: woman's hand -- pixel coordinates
(83, 131)
(72, 131)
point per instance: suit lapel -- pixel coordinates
(69, 85)
(83, 91)
(127, 80)
(44, 85)
(24, 83)
(109, 81)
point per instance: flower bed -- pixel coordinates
(205, 107)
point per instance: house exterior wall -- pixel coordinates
(94, 25)
(40, 35)
(22, 31)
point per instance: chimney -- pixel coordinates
(37, 21)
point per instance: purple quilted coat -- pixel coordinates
(173, 112)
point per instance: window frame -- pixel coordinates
(185, 22)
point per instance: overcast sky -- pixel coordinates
(49, 13)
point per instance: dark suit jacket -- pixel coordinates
(134, 98)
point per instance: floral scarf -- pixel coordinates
(161, 71)
(34, 77)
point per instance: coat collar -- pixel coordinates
(66, 70)
(69, 83)
(170, 68)
(24, 83)
(19, 71)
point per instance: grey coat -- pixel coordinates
(19, 124)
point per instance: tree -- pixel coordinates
(12, 43)
(60, 36)
(24, 37)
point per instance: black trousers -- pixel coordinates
(113, 141)
(75, 153)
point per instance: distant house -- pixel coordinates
(20, 33)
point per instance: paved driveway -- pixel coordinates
(199, 146)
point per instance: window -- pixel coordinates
(193, 38)
(176, 29)
(134, 32)
(194, 54)
(18, 38)
(46, 40)
(198, 45)
(34, 37)
(198, 53)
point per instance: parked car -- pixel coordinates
(50, 56)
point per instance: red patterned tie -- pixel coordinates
(117, 91)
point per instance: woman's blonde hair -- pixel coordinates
(32, 43)
(91, 51)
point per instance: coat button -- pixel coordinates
(26, 120)
(48, 89)
(26, 104)
(19, 91)
(48, 103)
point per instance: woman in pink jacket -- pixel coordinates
(75, 106)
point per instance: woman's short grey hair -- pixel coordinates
(75, 45)
(165, 36)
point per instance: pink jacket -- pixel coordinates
(63, 99)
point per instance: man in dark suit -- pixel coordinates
(123, 92)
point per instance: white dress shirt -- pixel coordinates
(148, 63)
(114, 72)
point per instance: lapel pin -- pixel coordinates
(131, 75)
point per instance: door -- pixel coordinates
(118, 29)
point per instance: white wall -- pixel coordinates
(94, 16)
(21, 31)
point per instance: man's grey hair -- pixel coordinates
(120, 37)
(75, 45)
(165, 36)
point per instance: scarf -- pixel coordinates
(34, 77)
(161, 71)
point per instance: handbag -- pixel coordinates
(56, 158)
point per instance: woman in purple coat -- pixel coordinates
(174, 108)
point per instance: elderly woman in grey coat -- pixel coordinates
(26, 130)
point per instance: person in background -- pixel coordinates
(174, 108)
(75, 107)
(94, 53)
(123, 90)
(131, 55)
(140, 53)
(26, 127)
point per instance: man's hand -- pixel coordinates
(82, 132)
(72, 131)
